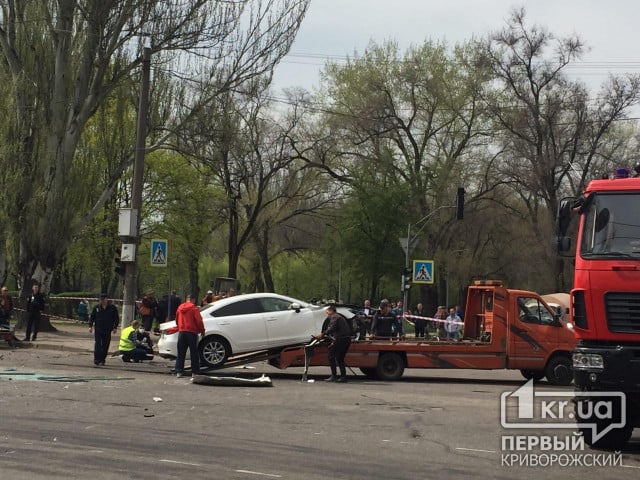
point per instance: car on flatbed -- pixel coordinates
(249, 323)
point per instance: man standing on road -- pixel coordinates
(35, 305)
(190, 325)
(105, 318)
(339, 330)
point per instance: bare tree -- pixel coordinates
(247, 153)
(552, 134)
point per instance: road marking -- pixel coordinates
(629, 466)
(181, 463)
(259, 473)
(475, 450)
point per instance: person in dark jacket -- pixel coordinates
(190, 325)
(35, 305)
(384, 323)
(105, 318)
(338, 329)
(148, 309)
(6, 308)
(174, 303)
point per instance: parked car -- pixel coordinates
(249, 323)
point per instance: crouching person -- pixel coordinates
(130, 347)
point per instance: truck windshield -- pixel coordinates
(612, 226)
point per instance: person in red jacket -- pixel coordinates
(190, 325)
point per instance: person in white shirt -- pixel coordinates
(453, 325)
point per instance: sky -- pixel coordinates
(334, 29)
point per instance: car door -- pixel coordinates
(534, 334)
(284, 325)
(243, 324)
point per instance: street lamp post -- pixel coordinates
(128, 307)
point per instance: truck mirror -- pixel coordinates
(564, 215)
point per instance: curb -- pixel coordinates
(50, 346)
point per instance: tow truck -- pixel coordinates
(503, 329)
(605, 303)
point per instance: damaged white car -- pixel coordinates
(249, 323)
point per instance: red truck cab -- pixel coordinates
(605, 299)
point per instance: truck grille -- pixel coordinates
(623, 311)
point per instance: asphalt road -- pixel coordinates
(60, 417)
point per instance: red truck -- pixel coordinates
(503, 328)
(605, 302)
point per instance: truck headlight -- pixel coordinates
(588, 361)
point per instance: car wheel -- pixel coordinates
(390, 367)
(214, 351)
(559, 370)
(536, 375)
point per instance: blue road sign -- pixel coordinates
(423, 271)
(158, 253)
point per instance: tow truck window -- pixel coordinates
(530, 310)
(612, 227)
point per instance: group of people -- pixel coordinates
(386, 321)
(135, 343)
(152, 311)
(210, 297)
(35, 307)
(389, 321)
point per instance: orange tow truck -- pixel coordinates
(503, 328)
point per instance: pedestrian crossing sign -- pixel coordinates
(423, 271)
(158, 253)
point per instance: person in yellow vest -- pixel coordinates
(130, 347)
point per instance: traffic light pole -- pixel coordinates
(459, 215)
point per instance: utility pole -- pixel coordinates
(128, 308)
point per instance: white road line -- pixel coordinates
(181, 463)
(259, 473)
(475, 450)
(629, 466)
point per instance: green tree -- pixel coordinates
(65, 59)
(402, 131)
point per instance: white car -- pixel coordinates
(249, 323)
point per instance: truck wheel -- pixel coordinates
(614, 439)
(390, 367)
(559, 370)
(369, 372)
(536, 375)
(214, 351)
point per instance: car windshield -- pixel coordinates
(612, 226)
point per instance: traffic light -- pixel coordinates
(407, 277)
(460, 203)
(120, 267)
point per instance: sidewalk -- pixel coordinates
(69, 337)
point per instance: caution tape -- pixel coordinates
(431, 319)
(95, 299)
